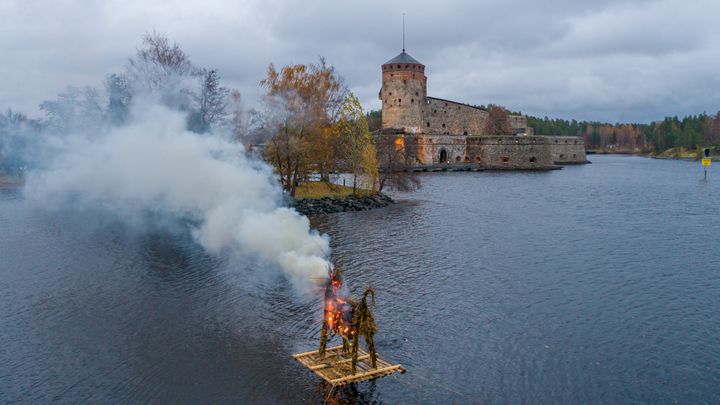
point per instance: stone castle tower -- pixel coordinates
(403, 93)
(435, 131)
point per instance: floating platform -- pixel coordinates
(336, 367)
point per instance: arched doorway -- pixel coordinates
(443, 156)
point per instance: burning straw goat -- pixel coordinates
(349, 319)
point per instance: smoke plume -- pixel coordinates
(153, 164)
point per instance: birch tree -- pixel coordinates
(356, 149)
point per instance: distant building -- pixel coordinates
(434, 131)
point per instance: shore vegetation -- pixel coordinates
(322, 189)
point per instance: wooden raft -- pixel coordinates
(335, 366)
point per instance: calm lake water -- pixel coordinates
(593, 284)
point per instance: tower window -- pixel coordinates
(404, 81)
(417, 94)
(399, 100)
(505, 159)
(443, 125)
(428, 124)
(465, 133)
(412, 100)
(398, 66)
(391, 93)
(392, 74)
(434, 111)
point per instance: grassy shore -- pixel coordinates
(678, 153)
(681, 153)
(320, 189)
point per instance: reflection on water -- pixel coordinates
(594, 284)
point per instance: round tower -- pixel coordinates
(403, 92)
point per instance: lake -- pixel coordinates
(593, 284)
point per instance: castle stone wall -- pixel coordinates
(433, 146)
(567, 149)
(485, 151)
(451, 118)
(509, 152)
(518, 123)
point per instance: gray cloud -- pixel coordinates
(604, 60)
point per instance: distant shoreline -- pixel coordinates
(651, 155)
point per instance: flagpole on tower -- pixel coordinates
(403, 32)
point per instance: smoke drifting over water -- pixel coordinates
(153, 164)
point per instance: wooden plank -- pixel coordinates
(305, 354)
(369, 374)
(333, 364)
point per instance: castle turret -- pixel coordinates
(403, 93)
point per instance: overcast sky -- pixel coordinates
(608, 60)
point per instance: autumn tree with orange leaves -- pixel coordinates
(303, 103)
(498, 121)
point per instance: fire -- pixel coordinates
(338, 309)
(348, 319)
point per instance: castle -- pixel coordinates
(437, 132)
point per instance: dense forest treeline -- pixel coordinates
(690, 132)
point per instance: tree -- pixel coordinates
(120, 96)
(356, 149)
(17, 146)
(498, 121)
(394, 164)
(10, 121)
(163, 71)
(715, 137)
(374, 119)
(75, 110)
(157, 63)
(210, 103)
(238, 122)
(302, 104)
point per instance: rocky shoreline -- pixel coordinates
(330, 205)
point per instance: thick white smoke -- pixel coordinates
(153, 164)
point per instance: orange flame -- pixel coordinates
(338, 311)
